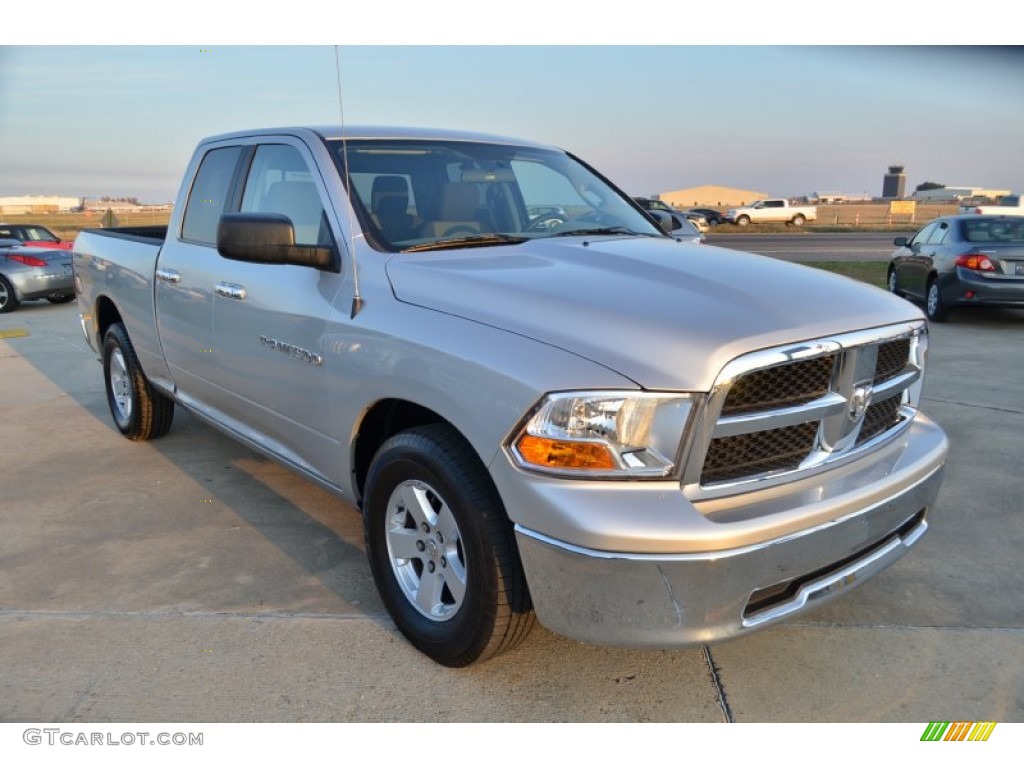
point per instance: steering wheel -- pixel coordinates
(460, 229)
(546, 221)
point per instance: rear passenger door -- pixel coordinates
(186, 272)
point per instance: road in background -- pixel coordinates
(811, 246)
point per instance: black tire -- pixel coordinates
(61, 299)
(442, 549)
(798, 220)
(743, 221)
(8, 298)
(139, 411)
(934, 307)
(891, 283)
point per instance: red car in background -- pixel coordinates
(34, 235)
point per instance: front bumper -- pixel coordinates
(854, 529)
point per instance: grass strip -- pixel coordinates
(871, 272)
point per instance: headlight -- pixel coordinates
(604, 434)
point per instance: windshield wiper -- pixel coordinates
(603, 231)
(472, 241)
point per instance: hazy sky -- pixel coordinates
(117, 120)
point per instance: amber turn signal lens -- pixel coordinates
(564, 454)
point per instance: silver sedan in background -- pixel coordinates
(33, 273)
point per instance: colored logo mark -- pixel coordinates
(938, 731)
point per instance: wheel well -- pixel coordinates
(384, 419)
(106, 316)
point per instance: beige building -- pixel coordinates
(710, 196)
(32, 204)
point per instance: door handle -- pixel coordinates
(230, 290)
(168, 275)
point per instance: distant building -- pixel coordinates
(956, 194)
(826, 198)
(894, 184)
(37, 204)
(711, 196)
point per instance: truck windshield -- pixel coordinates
(423, 194)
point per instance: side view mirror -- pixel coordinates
(268, 238)
(666, 221)
(900, 242)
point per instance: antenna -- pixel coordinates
(357, 297)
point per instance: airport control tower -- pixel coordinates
(895, 182)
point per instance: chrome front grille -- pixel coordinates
(770, 450)
(796, 409)
(892, 358)
(880, 417)
(780, 386)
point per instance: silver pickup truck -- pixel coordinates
(542, 404)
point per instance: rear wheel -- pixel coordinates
(934, 307)
(8, 298)
(798, 220)
(139, 411)
(442, 549)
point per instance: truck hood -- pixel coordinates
(667, 315)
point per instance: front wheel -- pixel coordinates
(442, 550)
(934, 306)
(893, 283)
(743, 221)
(139, 411)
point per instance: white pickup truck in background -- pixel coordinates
(1009, 205)
(772, 210)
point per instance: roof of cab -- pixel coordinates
(353, 132)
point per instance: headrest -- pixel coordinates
(392, 192)
(458, 202)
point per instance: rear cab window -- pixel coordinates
(208, 199)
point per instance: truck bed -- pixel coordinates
(121, 262)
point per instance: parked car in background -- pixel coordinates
(713, 217)
(696, 219)
(961, 261)
(33, 273)
(547, 216)
(35, 235)
(686, 230)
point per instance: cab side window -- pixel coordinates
(280, 182)
(208, 198)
